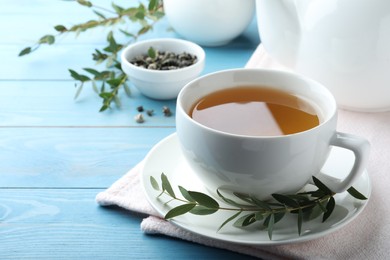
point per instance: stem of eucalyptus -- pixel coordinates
(311, 204)
(144, 16)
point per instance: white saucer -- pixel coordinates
(166, 157)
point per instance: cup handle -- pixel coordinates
(361, 148)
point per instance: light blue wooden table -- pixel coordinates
(56, 154)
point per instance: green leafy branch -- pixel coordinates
(249, 210)
(111, 79)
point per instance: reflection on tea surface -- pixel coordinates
(255, 111)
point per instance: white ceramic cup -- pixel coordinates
(264, 165)
(209, 23)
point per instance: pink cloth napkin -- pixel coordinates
(367, 237)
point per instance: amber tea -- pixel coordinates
(255, 111)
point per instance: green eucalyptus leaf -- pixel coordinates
(105, 95)
(144, 29)
(25, 51)
(321, 186)
(84, 3)
(230, 201)
(128, 34)
(356, 194)
(117, 8)
(166, 185)
(329, 209)
(48, 39)
(94, 87)
(60, 28)
(114, 82)
(204, 199)
(79, 89)
(260, 203)
(299, 197)
(229, 219)
(104, 107)
(270, 225)
(92, 71)
(185, 194)
(285, 200)
(117, 101)
(259, 216)
(317, 194)
(300, 220)
(154, 183)
(243, 196)
(100, 15)
(316, 211)
(202, 210)
(78, 76)
(245, 220)
(153, 4)
(127, 89)
(140, 15)
(278, 216)
(179, 210)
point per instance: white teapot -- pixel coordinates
(344, 44)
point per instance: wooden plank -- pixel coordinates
(72, 157)
(67, 224)
(51, 103)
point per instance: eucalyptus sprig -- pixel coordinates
(111, 79)
(249, 210)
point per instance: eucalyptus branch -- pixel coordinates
(306, 205)
(113, 76)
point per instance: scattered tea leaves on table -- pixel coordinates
(311, 204)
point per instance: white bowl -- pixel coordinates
(209, 22)
(162, 84)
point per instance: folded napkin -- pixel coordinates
(368, 236)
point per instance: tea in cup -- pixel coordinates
(261, 132)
